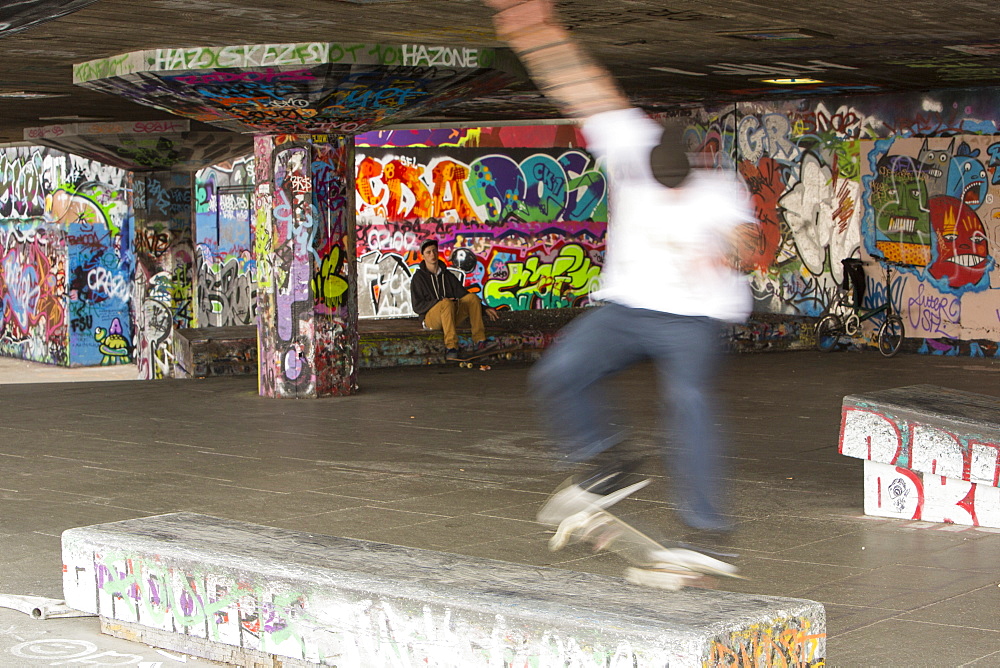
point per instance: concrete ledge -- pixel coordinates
(216, 351)
(229, 586)
(772, 332)
(227, 351)
(931, 453)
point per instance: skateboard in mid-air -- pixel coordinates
(653, 563)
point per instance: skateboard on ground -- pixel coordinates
(468, 360)
(654, 564)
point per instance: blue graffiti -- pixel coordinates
(967, 177)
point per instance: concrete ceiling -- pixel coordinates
(664, 53)
(18, 15)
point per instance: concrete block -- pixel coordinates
(926, 429)
(216, 351)
(893, 491)
(225, 587)
(931, 453)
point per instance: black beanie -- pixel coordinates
(668, 159)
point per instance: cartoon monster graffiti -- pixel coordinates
(902, 220)
(934, 162)
(961, 247)
(967, 177)
(114, 345)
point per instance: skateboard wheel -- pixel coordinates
(658, 579)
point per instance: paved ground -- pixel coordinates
(451, 459)
(15, 372)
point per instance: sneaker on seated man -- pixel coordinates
(443, 303)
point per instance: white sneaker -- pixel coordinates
(573, 499)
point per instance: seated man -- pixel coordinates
(443, 302)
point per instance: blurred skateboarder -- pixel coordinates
(670, 282)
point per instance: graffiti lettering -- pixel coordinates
(329, 285)
(933, 314)
(771, 645)
(22, 291)
(417, 54)
(492, 188)
(383, 285)
(227, 293)
(565, 281)
(107, 284)
(22, 191)
(258, 55)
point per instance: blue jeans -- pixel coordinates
(566, 383)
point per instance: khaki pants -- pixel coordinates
(447, 314)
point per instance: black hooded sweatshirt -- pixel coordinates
(427, 289)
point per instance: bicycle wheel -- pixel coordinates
(890, 335)
(829, 329)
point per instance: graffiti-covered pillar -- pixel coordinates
(307, 311)
(304, 208)
(164, 252)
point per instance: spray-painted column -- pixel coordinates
(162, 296)
(307, 315)
(307, 309)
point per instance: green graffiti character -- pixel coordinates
(899, 199)
(114, 345)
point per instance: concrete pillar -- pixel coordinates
(307, 313)
(162, 296)
(307, 308)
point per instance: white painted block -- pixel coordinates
(892, 491)
(866, 434)
(927, 429)
(936, 452)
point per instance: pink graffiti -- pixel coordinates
(30, 290)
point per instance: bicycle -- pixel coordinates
(845, 315)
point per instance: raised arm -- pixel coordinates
(557, 64)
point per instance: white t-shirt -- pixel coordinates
(666, 246)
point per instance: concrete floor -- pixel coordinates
(451, 459)
(17, 372)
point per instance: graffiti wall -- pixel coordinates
(66, 258)
(520, 212)
(912, 180)
(226, 268)
(934, 207)
(523, 227)
(802, 174)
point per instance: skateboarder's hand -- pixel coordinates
(492, 314)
